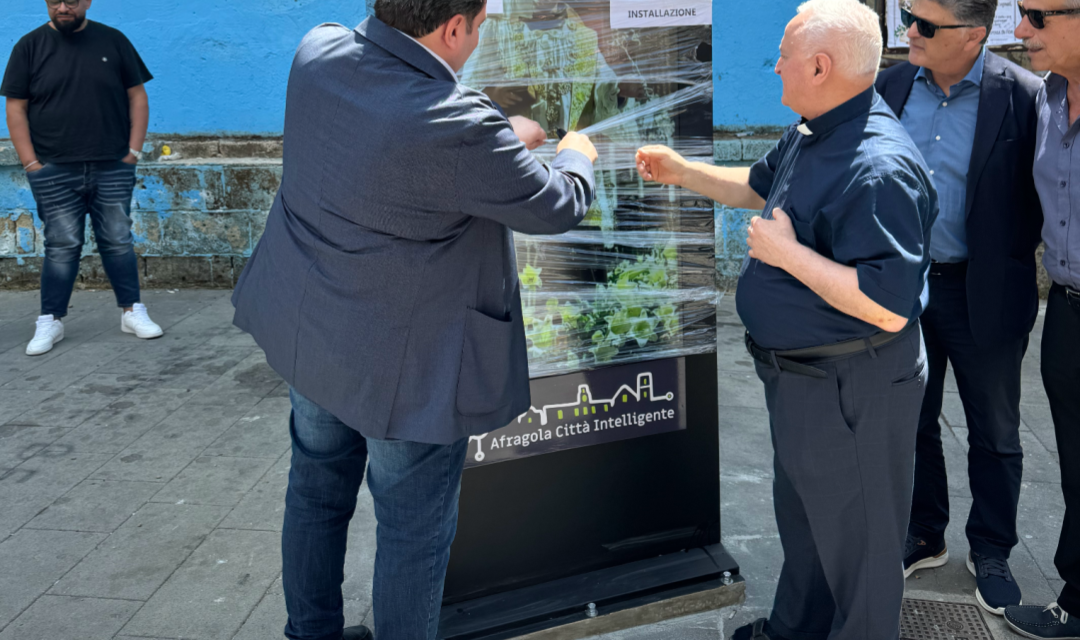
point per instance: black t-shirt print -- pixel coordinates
(76, 85)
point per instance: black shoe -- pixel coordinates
(919, 553)
(996, 588)
(758, 630)
(359, 632)
(1038, 622)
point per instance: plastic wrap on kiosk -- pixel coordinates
(636, 280)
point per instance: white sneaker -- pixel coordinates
(138, 322)
(49, 332)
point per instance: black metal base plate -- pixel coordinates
(928, 620)
(560, 602)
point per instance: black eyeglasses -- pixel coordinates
(57, 3)
(927, 29)
(1038, 17)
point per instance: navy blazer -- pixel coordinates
(1004, 217)
(385, 287)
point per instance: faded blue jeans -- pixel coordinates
(65, 194)
(415, 488)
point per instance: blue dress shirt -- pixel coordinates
(858, 192)
(943, 127)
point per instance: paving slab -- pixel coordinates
(214, 480)
(20, 443)
(212, 594)
(1037, 418)
(165, 450)
(31, 561)
(19, 401)
(251, 376)
(262, 433)
(79, 402)
(95, 505)
(135, 560)
(29, 488)
(122, 422)
(263, 508)
(70, 367)
(267, 621)
(64, 618)
(741, 390)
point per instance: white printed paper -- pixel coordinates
(494, 6)
(635, 14)
(1005, 23)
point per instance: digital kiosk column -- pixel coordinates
(607, 490)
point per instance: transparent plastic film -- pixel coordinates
(636, 279)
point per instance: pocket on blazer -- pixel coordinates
(484, 382)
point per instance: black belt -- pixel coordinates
(790, 360)
(1072, 296)
(948, 268)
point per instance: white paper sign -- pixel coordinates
(1005, 23)
(494, 6)
(635, 14)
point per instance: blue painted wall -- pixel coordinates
(746, 45)
(221, 66)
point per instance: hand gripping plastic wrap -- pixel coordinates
(636, 280)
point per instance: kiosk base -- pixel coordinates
(688, 581)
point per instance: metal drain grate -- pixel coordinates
(926, 620)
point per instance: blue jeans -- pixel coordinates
(65, 194)
(415, 488)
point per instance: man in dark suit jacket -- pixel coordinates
(385, 291)
(972, 115)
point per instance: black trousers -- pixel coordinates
(845, 449)
(1061, 377)
(989, 383)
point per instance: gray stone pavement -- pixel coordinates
(142, 483)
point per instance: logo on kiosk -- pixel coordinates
(608, 405)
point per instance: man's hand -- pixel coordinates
(579, 142)
(129, 159)
(37, 167)
(658, 163)
(772, 241)
(528, 131)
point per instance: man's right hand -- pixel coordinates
(34, 169)
(658, 163)
(580, 143)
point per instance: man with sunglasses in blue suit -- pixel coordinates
(972, 115)
(1051, 33)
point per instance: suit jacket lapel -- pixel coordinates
(404, 47)
(994, 101)
(897, 91)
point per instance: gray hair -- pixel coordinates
(979, 13)
(847, 30)
(418, 18)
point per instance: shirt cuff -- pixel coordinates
(868, 284)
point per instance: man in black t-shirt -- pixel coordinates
(78, 112)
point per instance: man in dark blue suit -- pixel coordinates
(973, 116)
(385, 292)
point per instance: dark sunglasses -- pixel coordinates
(1037, 18)
(57, 3)
(927, 29)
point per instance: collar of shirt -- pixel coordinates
(851, 109)
(1057, 99)
(974, 77)
(433, 54)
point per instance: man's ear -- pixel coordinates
(975, 38)
(455, 31)
(822, 68)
